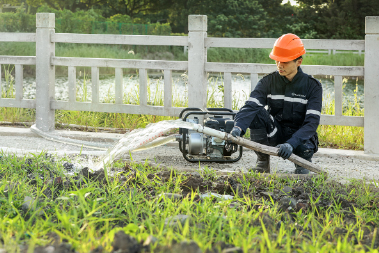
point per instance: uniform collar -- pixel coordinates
(298, 74)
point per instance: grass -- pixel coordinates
(345, 137)
(334, 60)
(87, 212)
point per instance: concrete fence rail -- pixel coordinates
(197, 67)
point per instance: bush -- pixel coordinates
(85, 22)
(17, 22)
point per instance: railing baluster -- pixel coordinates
(254, 81)
(167, 88)
(142, 87)
(72, 84)
(95, 84)
(119, 86)
(19, 82)
(338, 95)
(1, 87)
(228, 99)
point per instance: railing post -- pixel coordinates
(45, 72)
(197, 57)
(371, 76)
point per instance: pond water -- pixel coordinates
(353, 88)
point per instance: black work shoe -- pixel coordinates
(301, 170)
(263, 163)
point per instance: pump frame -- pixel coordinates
(184, 132)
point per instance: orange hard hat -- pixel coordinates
(288, 47)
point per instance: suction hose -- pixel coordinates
(258, 147)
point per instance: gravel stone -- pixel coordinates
(28, 204)
(64, 248)
(173, 220)
(186, 247)
(172, 196)
(10, 187)
(124, 243)
(150, 240)
(267, 194)
(233, 250)
(287, 190)
(49, 249)
(287, 204)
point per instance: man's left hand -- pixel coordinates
(285, 150)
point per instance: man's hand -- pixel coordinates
(236, 131)
(230, 146)
(285, 150)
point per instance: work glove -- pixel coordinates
(285, 150)
(236, 131)
(230, 146)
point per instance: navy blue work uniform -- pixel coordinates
(289, 111)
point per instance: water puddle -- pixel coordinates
(141, 139)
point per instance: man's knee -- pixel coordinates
(305, 150)
(263, 120)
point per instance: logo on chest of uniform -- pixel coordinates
(298, 95)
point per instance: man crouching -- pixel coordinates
(294, 102)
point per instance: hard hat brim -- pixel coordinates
(286, 59)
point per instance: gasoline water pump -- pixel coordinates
(199, 147)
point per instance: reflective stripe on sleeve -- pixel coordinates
(313, 112)
(255, 101)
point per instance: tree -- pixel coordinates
(227, 18)
(108, 7)
(337, 19)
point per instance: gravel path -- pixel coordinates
(339, 167)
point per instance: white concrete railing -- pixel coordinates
(197, 67)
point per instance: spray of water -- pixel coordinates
(141, 139)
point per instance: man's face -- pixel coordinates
(288, 69)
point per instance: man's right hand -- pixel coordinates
(236, 131)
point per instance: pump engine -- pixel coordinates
(198, 147)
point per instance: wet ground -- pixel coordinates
(339, 168)
(341, 165)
